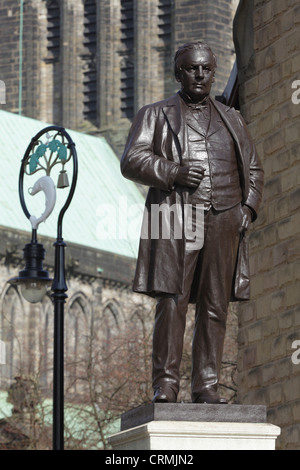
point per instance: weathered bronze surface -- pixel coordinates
(193, 151)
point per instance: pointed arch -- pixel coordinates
(77, 341)
(113, 308)
(46, 343)
(107, 329)
(13, 333)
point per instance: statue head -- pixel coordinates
(194, 67)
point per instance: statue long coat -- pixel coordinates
(156, 145)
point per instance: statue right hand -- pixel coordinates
(190, 175)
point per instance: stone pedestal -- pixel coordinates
(183, 426)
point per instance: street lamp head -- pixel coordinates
(33, 291)
(33, 279)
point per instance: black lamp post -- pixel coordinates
(59, 149)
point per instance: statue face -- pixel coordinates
(197, 73)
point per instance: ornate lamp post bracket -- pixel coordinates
(49, 151)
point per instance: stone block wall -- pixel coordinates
(269, 373)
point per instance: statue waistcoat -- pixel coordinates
(211, 146)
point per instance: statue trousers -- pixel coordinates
(214, 264)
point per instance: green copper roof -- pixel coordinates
(106, 210)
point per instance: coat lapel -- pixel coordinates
(173, 114)
(225, 115)
(215, 122)
(230, 122)
(236, 129)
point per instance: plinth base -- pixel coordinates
(195, 427)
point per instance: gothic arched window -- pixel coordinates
(77, 343)
(46, 343)
(13, 334)
(110, 322)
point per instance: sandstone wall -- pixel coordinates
(270, 323)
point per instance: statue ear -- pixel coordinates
(178, 77)
(177, 74)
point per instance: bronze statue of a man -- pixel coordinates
(192, 150)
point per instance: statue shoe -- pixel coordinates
(210, 397)
(162, 395)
